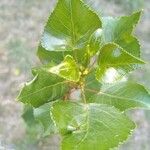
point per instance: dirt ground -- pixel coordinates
(21, 25)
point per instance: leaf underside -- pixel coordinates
(42, 114)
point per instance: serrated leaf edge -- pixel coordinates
(113, 43)
(84, 105)
(49, 16)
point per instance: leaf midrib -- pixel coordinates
(113, 96)
(42, 89)
(88, 124)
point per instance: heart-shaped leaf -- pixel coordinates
(114, 62)
(45, 87)
(68, 28)
(123, 96)
(90, 126)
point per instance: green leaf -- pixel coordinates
(68, 69)
(94, 43)
(68, 29)
(90, 126)
(119, 30)
(45, 87)
(123, 96)
(51, 56)
(42, 114)
(28, 116)
(131, 45)
(33, 128)
(91, 83)
(114, 62)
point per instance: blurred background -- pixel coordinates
(21, 25)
